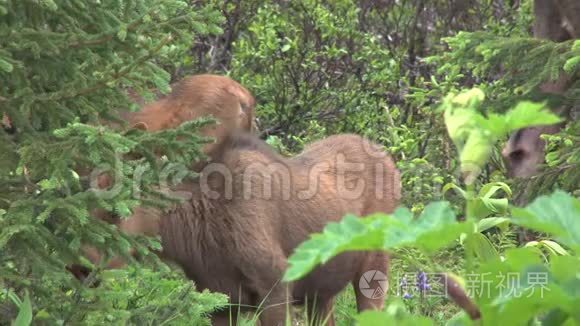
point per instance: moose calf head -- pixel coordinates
(524, 150)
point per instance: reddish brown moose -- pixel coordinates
(251, 207)
(194, 97)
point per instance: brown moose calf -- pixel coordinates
(252, 207)
(193, 97)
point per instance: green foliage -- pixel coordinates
(556, 214)
(475, 135)
(484, 53)
(25, 312)
(65, 67)
(482, 204)
(394, 314)
(144, 297)
(533, 289)
(525, 64)
(433, 230)
(302, 59)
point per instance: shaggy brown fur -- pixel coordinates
(237, 228)
(193, 97)
(197, 96)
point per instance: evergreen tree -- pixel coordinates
(65, 66)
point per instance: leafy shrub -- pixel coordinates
(541, 287)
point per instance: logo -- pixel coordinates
(373, 284)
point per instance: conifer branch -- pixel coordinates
(66, 94)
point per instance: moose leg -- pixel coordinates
(321, 311)
(264, 267)
(370, 282)
(275, 303)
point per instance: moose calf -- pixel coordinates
(251, 207)
(194, 97)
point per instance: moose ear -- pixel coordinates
(141, 126)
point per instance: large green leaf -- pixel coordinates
(553, 247)
(434, 229)
(475, 154)
(459, 319)
(557, 214)
(373, 318)
(527, 114)
(481, 247)
(24, 317)
(490, 222)
(395, 313)
(518, 287)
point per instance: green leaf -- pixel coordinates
(373, 318)
(10, 231)
(434, 229)
(488, 223)
(474, 154)
(518, 287)
(572, 64)
(495, 124)
(552, 246)
(528, 114)
(554, 317)
(49, 4)
(481, 247)
(459, 319)
(495, 205)
(557, 214)
(526, 297)
(555, 247)
(395, 313)
(24, 317)
(489, 189)
(122, 33)
(481, 207)
(6, 66)
(457, 189)
(458, 121)
(471, 97)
